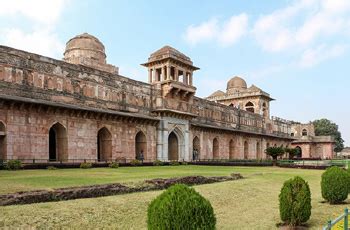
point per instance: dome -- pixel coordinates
(85, 49)
(217, 93)
(236, 83)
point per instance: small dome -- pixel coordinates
(236, 83)
(84, 49)
(217, 93)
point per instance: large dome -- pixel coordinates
(236, 83)
(84, 49)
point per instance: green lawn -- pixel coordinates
(251, 203)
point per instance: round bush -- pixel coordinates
(180, 207)
(295, 201)
(335, 185)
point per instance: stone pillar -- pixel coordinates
(168, 72)
(149, 75)
(187, 153)
(191, 80)
(162, 77)
(185, 77)
(154, 74)
(176, 74)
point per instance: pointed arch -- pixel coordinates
(304, 132)
(104, 145)
(196, 148)
(232, 149)
(299, 153)
(258, 150)
(140, 146)
(173, 147)
(216, 154)
(249, 106)
(58, 143)
(246, 150)
(2, 141)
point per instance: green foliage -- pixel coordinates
(291, 151)
(174, 163)
(85, 165)
(184, 163)
(325, 127)
(158, 163)
(274, 152)
(335, 185)
(51, 168)
(180, 207)
(295, 201)
(13, 164)
(114, 165)
(135, 162)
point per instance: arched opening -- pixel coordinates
(140, 146)
(299, 152)
(246, 150)
(104, 145)
(258, 150)
(2, 141)
(232, 105)
(58, 143)
(196, 148)
(215, 148)
(173, 147)
(264, 109)
(232, 149)
(304, 132)
(249, 107)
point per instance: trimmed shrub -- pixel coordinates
(85, 165)
(158, 163)
(295, 201)
(335, 185)
(174, 163)
(135, 162)
(180, 207)
(51, 168)
(113, 165)
(13, 164)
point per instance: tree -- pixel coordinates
(292, 152)
(325, 127)
(274, 152)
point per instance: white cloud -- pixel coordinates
(42, 11)
(42, 16)
(233, 30)
(43, 42)
(314, 56)
(226, 34)
(203, 32)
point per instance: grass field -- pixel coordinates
(251, 203)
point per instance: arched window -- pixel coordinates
(264, 109)
(246, 150)
(249, 107)
(173, 147)
(299, 153)
(304, 132)
(140, 146)
(258, 150)
(2, 141)
(215, 148)
(232, 149)
(58, 143)
(104, 145)
(196, 148)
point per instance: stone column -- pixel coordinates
(176, 74)
(149, 75)
(191, 80)
(162, 77)
(185, 77)
(154, 74)
(168, 72)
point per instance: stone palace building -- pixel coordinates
(82, 108)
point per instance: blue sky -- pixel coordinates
(298, 51)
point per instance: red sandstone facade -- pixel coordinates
(82, 109)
